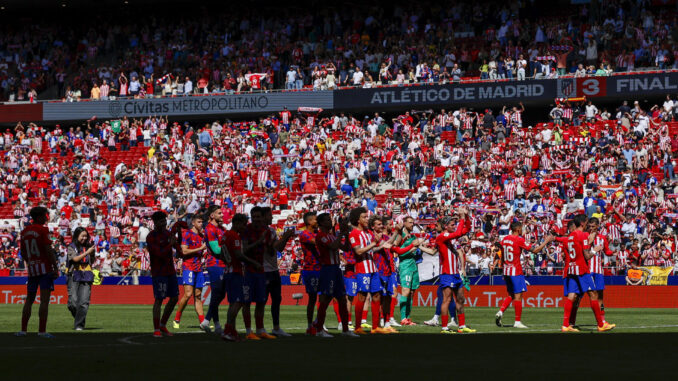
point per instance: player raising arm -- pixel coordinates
(331, 280)
(164, 276)
(512, 247)
(40, 258)
(578, 279)
(452, 269)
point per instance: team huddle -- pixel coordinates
(348, 261)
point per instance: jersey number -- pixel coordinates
(32, 249)
(571, 250)
(508, 253)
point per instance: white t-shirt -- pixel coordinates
(358, 77)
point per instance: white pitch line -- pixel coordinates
(128, 339)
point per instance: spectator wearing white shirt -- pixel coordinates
(188, 86)
(290, 79)
(358, 77)
(134, 86)
(591, 111)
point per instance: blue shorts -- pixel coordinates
(598, 281)
(165, 287)
(389, 284)
(45, 282)
(257, 287)
(217, 279)
(331, 281)
(369, 282)
(238, 291)
(515, 284)
(193, 278)
(451, 280)
(311, 281)
(578, 284)
(351, 286)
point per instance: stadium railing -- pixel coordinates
(309, 88)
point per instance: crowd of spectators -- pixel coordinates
(357, 45)
(615, 165)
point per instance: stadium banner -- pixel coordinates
(467, 94)
(657, 276)
(182, 106)
(20, 111)
(646, 84)
(479, 296)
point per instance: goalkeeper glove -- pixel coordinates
(467, 283)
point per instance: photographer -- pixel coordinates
(81, 254)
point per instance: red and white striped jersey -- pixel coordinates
(575, 262)
(512, 248)
(262, 175)
(517, 118)
(34, 250)
(449, 261)
(596, 262)
(400, 171)
(364, 263)
(510, 191)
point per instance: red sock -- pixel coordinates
(42, 325)
(445, 319)
(364, 314)
(259, 322)
(505, 304)
(518, 305)
(156, 324)
(602, 310)
(566, 315)
(376, 307)
(359, 305)
(335, 305)
(462, 319)
(177, 317)
(392, 308)
(595, 306)
(201, 318)
(24, 323)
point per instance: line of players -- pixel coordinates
(242, 263)
(348, 261)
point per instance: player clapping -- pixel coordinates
(331, 282)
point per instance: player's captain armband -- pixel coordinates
(635, 274)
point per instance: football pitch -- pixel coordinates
(117, 343)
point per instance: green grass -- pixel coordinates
(117, 343)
